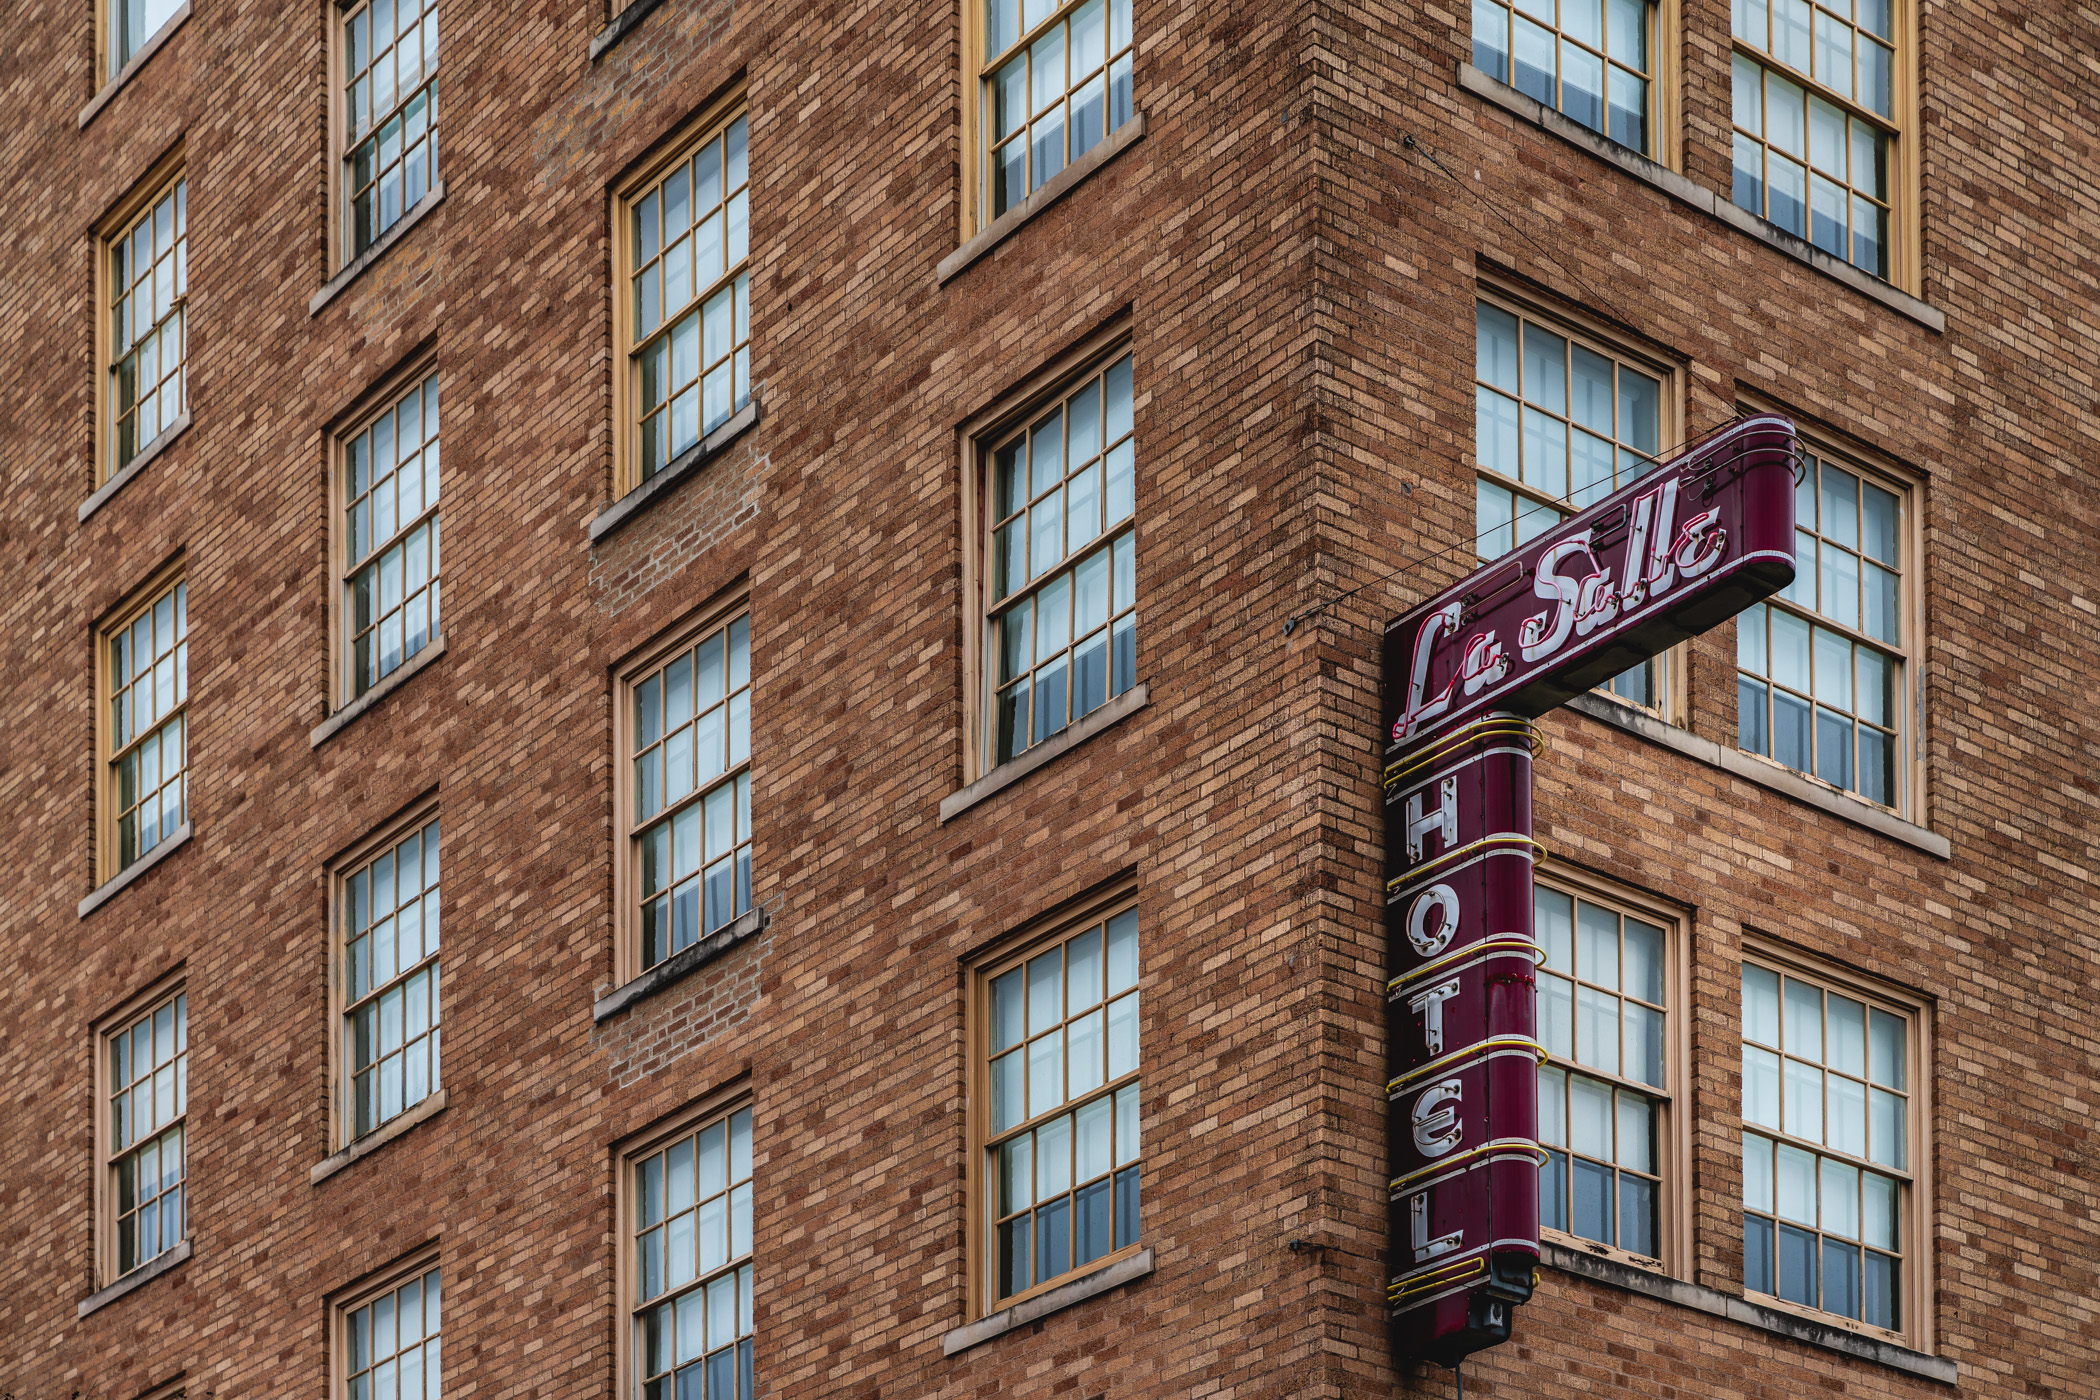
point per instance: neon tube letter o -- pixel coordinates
(1429, 944)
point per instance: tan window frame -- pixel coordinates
(412, 1270)
(1667, 688)
(1900, 125)
(711, 126)
(1671, 1127)
(1914, 1233)
(420, 378)
(1082, 918)
(153, 719)
(415, 147)
(719, 616)
(977, 440)
(1661, 106)
(167, 286)
(110, 1211)
(715, 1110)
(1907, 703)
(420, 821)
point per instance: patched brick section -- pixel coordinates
(677, 529)
(666, 1028)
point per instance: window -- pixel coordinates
(1605, 1107)
(689, 1237)
(391, 1343)
(147, 331)
(688, 756)
(389, 116)
(1592, 60)
(390, 538)
(1061, 601)
(146, 659)
(1560, 420)
(1822, 680)
(686, 313)
(143, 1151)
(1057, 1079)
(131, 23)
(1830, 1134)
(389, 933)
(1055, 82)
(1815, 122)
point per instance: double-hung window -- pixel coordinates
(685, 300)
(1816, 105)
(146, 672)
(128, 25)
(686, 1250)
(389, 504)
(1055, 82)
(1561, 420)
(388, 914)
(1056, 1081)
(390, 1335)
(1606, 1092)
(1590, 59)
(1061, 576)
(389, 115)
(145, 1054)
(147, 334)
(1823, 671)
(686, 740)
(1831, 1145)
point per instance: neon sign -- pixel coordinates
(1676, 552)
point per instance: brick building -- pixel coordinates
(849, 982)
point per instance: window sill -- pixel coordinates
(685, 464)
(1056, 188)
(1764, 773)
(431, 1107)
(132, 468)
(110, 888)
(1123, 1271)
(356, 266)
(137, 1278)
(1686, 191)
(137, 61)
(680, 965)
(1718, 1304)
(328, 728)
(1013, 770)
(622, 24)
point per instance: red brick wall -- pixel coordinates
(1298, 290)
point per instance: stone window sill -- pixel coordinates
(680, 965)
(328, 728)
(137, 1278)
(110, 888)
(621, 25)
(371, 1142)
(1764, 772)
(1698, 196)
(1115, 1275)
(1056, 188)
(356, 266)
(136, 62)
(132, 468)
(1784, 1324)
(684, 465)
(1015, 769)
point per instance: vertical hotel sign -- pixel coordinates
(1676, 552)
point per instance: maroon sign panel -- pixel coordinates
(1679, 550)
(1685, 547)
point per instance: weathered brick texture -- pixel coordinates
(1298, 288)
